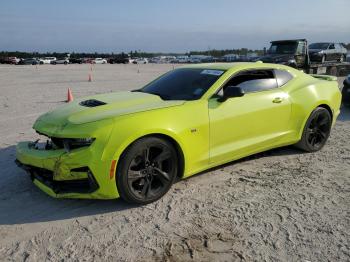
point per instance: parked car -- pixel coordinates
(196, 58)
(99, 61)
(29, 61)
(119, 60)
(88, 60)
(9, 60)
(140, 61)
(13, 60)
(182, 59)
(64, 61)
(323, 52)
(75, 60)
(346, 91)
(47, 60)
(136, 144)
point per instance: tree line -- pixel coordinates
(213, 52)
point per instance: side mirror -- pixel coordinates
(231, 91)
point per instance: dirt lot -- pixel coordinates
(282, 205)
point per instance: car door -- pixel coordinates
(256, 121)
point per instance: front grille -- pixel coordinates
(92, 103)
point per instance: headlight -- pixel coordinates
(291, 61)
(71, 143)
(80, 142)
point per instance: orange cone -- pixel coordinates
(70, 97)
(90, 78)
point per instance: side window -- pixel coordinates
(301, 48)
(254, 81)
(331, 46)
(282, 77)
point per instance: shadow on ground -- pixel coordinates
(22, 202)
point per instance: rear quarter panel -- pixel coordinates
(307, 93)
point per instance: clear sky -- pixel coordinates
(167, 26)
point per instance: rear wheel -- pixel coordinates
(316, 130)
(147, 170)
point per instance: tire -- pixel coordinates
(146, 170)
(346, 96)
(65, 63)
(316, 130)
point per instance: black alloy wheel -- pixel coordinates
(316, 130)
(147, 170)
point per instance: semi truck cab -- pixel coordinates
(293, 53)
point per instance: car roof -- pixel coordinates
(288, 40)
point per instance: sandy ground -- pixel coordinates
(282, 205)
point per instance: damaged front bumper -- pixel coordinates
(62, 174)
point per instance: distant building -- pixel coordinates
(231, 57)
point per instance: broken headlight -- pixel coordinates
(72, 143)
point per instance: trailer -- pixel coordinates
(334, 69)
(295, 53)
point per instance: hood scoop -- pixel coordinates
(92, 103)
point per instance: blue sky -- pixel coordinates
(167, 26)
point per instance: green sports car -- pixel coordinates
(135, 144)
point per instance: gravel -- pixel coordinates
(281, 205)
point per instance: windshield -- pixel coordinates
(283, 48)
(319, 46)
(183, 84)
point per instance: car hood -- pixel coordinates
(276, 58)
(104, 106)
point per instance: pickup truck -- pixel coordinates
(295, 53)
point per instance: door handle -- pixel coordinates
(277, 100)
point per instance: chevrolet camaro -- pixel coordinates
(135, 144)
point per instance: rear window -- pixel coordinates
(282, 77)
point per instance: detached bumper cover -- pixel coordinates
(45, 177)
(65, 175)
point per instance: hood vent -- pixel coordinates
(92, 103)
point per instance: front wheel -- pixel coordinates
(147, 170)
(316, 130)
